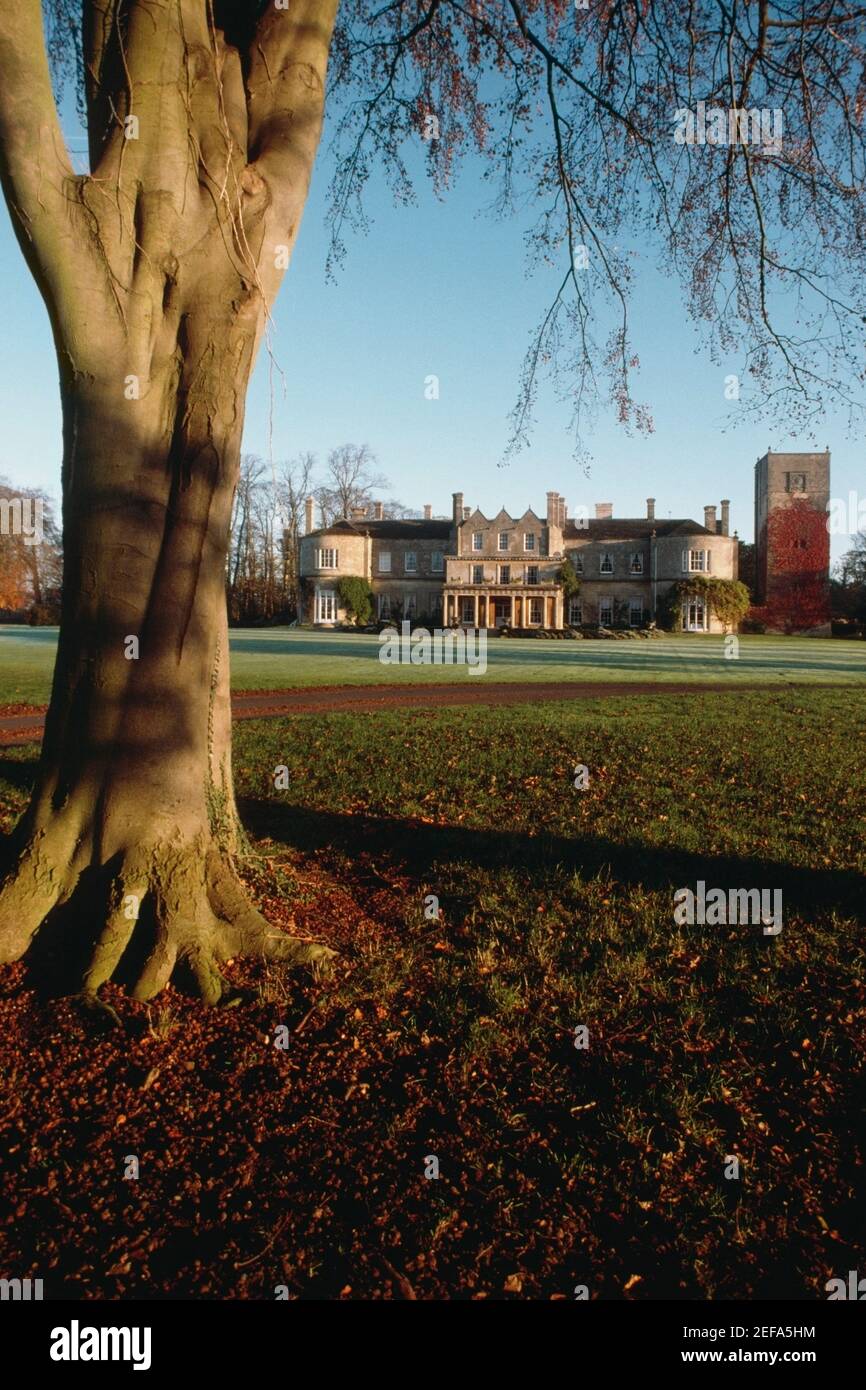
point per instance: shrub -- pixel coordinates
(356, 596)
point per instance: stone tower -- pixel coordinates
(792, 541)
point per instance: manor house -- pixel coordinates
(502, 571)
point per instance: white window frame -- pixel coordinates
(605, 605)
(536, 604)
(605, 564)
(636, 563)
(467, 607)
(530, 571)
(437, 562)
(701, 605)
(326, 605)
(575, 612)
(635, 605)
(410, 562)
(477, 541)
(529, 540)
(327, 558)
(476, 577)
(504, 574)
(503, 536)
(577, 562)
(383, 564)
(696, 561)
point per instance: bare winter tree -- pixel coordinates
(350, 482)
(159, 266)
(294, 486)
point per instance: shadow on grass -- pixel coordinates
(416, 847)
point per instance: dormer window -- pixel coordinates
(503, 540)
(605, 564)
(529, 541)
(477, 540)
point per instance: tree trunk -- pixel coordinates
(133, 822)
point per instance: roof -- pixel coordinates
(631, 528)
(394, 529)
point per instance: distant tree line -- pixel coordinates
(31, 558)
(268, 520)
(848, 583)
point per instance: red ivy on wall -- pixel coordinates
(798, 564)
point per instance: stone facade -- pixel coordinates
(503, 571)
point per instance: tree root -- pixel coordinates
(165, 912)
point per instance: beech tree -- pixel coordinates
(159, 268)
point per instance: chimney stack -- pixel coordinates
(603, 511)
(378, 509)
(309, 515)
(710, 518)
(651, 509)
(428, 511)
(726, 517)
(457, 513)
(553, 509)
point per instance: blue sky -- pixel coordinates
(442, 288)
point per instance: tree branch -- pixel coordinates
(36, 173)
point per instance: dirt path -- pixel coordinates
(26, 726)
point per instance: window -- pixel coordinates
(477, 574)
(605, 612)
(477, 540)
(410, 562)
(505, 574)
(384, 562)
(503, 540)
(796, 482)
(635, 612)
(577, 562)
(467, 610)
(536, 612)
(326, 606)
(605, 564)
(575, 612)
(532, 574)
(327, 559)
(636, 566)
(410, 605)
(384, 606)
(696, 561)
(437, 562)
(529, 541)
(694, 615)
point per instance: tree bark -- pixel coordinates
(158, 271)
(133, 821)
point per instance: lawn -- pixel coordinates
(452, 1037)
(274, 659)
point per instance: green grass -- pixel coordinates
(602, 1166)
(557, 911)
(273, 659)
